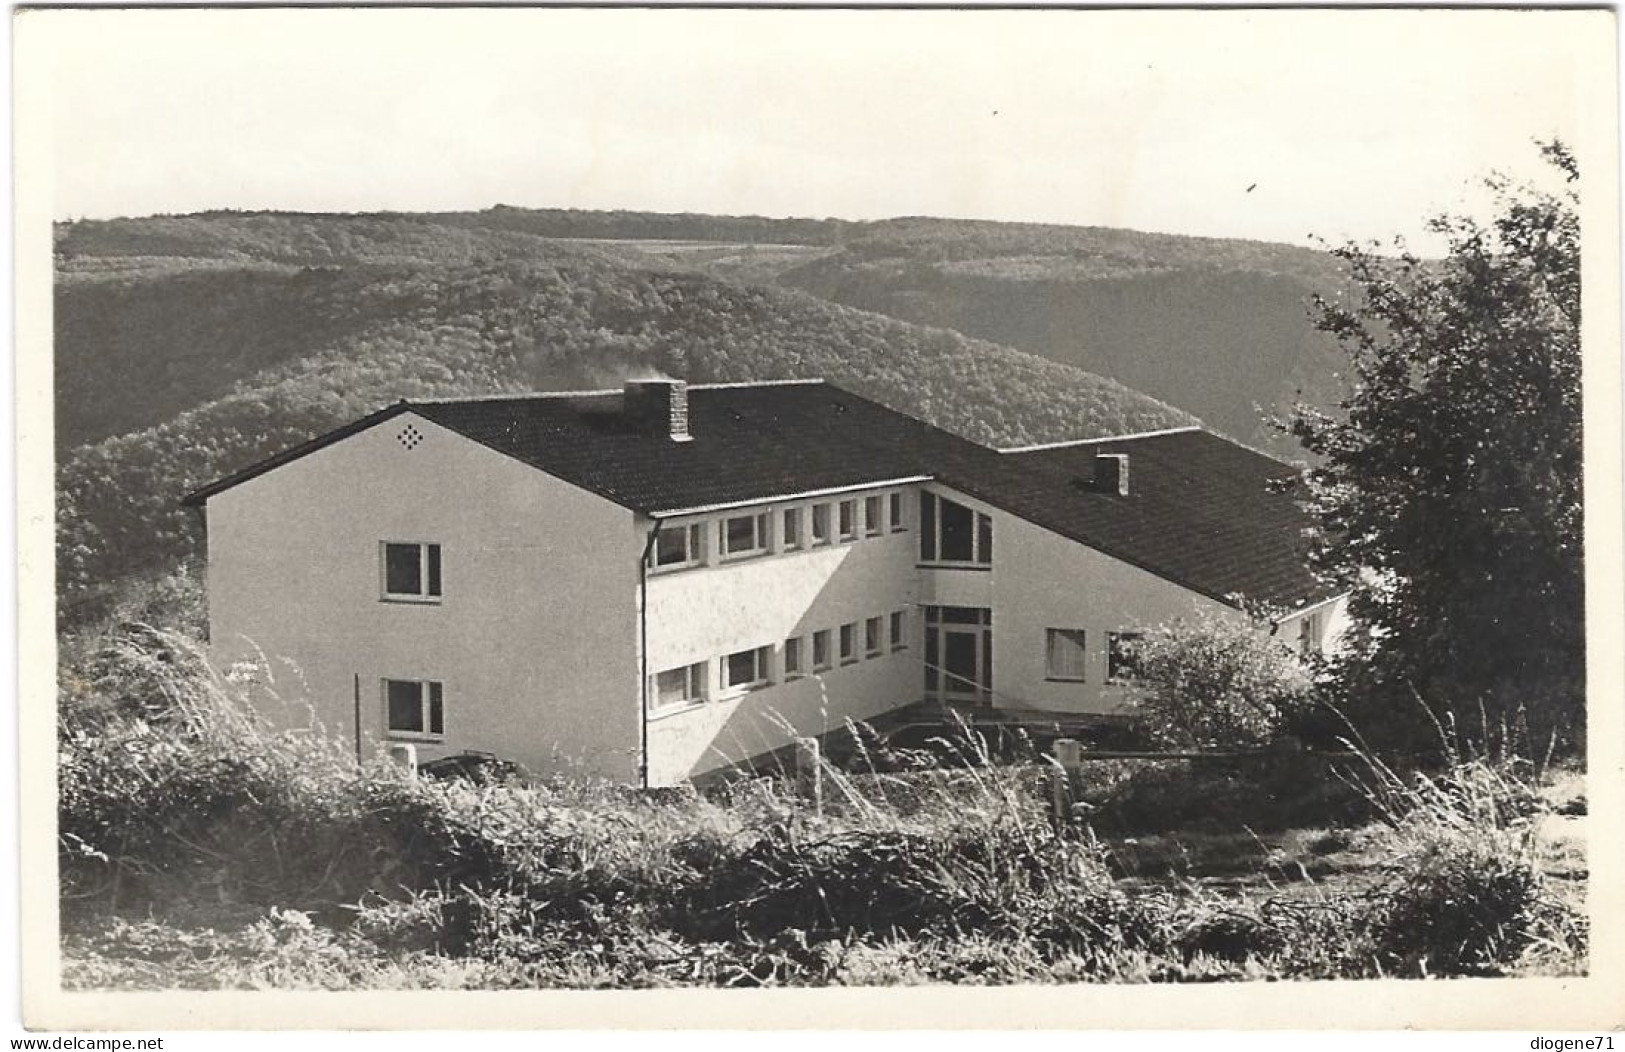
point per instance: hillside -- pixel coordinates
(188, 347)
(1218, 327)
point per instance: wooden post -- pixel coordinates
(404, 756)
(1063, 779)
(810, 773)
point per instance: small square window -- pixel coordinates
(684, 685)
(679, 546)
(414, 709)
(849, 520)
(820, 650)
(745, 669)
(820, 524)
(411, 571)
(873, 525)
(895, 506)
(897, 640)
(745, 535)
(1065, 651)
(872, 644)
(792, 658)
(1122, 660)
(849, 643)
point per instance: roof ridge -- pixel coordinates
(600, 392)
(527, 396)
(1104, 438)
(815, 381)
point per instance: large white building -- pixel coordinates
(653, 583)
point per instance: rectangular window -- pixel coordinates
(792, 658)
(849, 643)
(820, 650)
(957, 542)
(679, 546)
(680, 686)
(873, 524)
(895, 506)
(745, 669)
(744, 535)
(897, 641)
(953, 533)
(849, 520)
(792, 529)
(414, 708)
(1121, 659)
(820, 524)
(872, 643)
(411, 572)
(1064, 654)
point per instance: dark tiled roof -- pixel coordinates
(1214, 516)
(1201, 511)
(749, 443)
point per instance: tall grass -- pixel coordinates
(196, 833)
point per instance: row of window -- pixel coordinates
(949, 533)
(753, 668)
(791, 529)
(1066, 652)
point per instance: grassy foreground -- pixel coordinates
(200, 849)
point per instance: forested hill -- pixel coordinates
(1218, 327)
(188, 347)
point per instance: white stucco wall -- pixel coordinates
(1041, 580)
(705, 613)
(534, 639)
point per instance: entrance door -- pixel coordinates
(959, 654)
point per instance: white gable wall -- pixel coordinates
(534, 640)
(1041, 580)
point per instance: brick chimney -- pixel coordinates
(658, 407)
(1111, 474)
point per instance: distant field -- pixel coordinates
(750, 263)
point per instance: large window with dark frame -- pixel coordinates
(414, 708)
(411, 571)
(953, 533)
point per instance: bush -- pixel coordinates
(1216, 682)
(1466, 895)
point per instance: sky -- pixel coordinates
(1282, 125)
